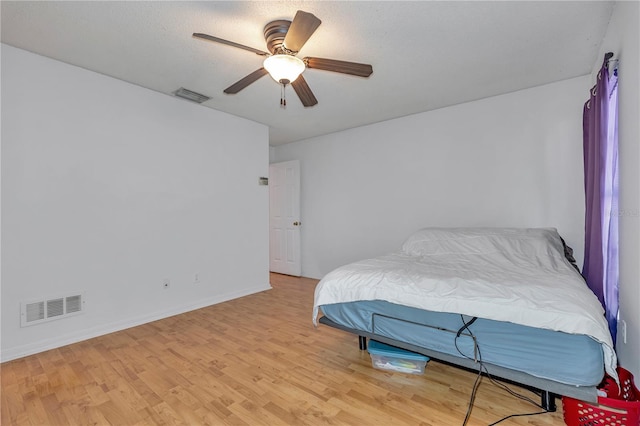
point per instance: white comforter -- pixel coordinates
(516, 277)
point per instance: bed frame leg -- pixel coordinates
(362, 342)
(548, 401)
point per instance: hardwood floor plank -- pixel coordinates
(250, 361)
(166, 415)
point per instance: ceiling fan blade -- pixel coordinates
(304, 92)
(244, 82)
(353, 68)
(303, 25)
(229, 43)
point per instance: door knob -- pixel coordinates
(297, 223)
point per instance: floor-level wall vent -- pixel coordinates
(39, 311)
(34, 312)
(74, 304)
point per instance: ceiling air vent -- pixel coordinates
(190, 95)
(38, 311)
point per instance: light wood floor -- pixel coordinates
(256, 360)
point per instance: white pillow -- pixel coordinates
(526, 241)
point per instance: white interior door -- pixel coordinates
(284, 218)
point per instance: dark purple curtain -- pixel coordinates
(600, 145)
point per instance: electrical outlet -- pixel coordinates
(196, 278)
(166, 283)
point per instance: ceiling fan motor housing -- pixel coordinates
(274, 34)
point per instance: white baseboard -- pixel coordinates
(57, 342)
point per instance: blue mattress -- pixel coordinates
(566, 358)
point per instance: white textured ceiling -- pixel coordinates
(425, 55)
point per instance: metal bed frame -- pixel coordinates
(549, 389)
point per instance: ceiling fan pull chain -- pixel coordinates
(283, 98)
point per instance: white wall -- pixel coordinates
(108, 189)
(623, 39)
(510, 160)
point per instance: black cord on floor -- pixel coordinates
(472, 399)
(482, 368)
(518, 415)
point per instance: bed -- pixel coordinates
(506, 299)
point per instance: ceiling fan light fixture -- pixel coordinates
(284, 68)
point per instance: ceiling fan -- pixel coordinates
(284, 41)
